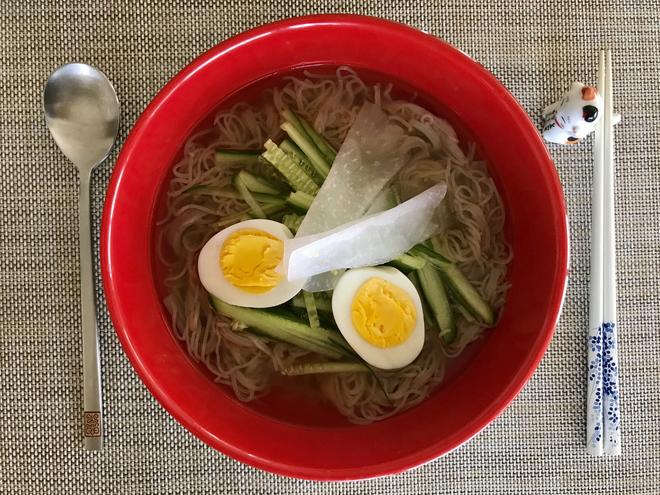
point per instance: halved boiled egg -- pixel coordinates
(244, 265)
(379, 313)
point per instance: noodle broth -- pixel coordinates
(311, 406)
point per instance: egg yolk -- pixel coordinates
(383, 314)
(248, 259)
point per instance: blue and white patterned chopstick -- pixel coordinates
(595, 335)
(603, 417)
(611, 415)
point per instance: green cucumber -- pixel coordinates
(467, 295)
(231, 219)
(317, 368)
(236, 157)
(258, 184)
(428, 314)
(292, 221)
(245, 215)
(294, 175)
(201, 189)
(271, 213)
(407, 263)
(273, 208)
(308, 147)
(231, 193)
(461, 288)
(279, 326)
(436, 296)
(322, 145)
(301, 160)
(289, 116)
(264, 199)
(246, 195)
(459, 306)
(425, 252)
(323, 304)
(300, 200)
(312, 313)
(308, 131)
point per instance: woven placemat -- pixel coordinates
(536, 446)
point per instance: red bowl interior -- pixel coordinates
(287, 433)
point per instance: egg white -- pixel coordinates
(342, 299)
(213, 278)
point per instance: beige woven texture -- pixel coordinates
(536, 446)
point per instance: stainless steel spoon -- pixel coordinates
(82, 114)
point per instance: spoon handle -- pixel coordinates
(93, 411)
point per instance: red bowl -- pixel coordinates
(291, 435)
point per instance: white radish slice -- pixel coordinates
(369, 241)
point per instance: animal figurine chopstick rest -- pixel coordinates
(572, 118)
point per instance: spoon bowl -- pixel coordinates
(82, 113)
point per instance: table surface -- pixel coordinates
(535, 446)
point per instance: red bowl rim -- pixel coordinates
(113, 298)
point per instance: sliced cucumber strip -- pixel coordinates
(322, 145)
(462, 289)
(407, 263)
(293, 221)
(277, 325)
(312, 314)
(323, 304)
(301, 160)
(317, 368)
(235, 157)
(300, 200)
(436, 296)
(308, 147)
(294, 175)
(259, 184)
(246, 195)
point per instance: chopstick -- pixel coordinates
(595, 338)
(611, 416)
(603, 418)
